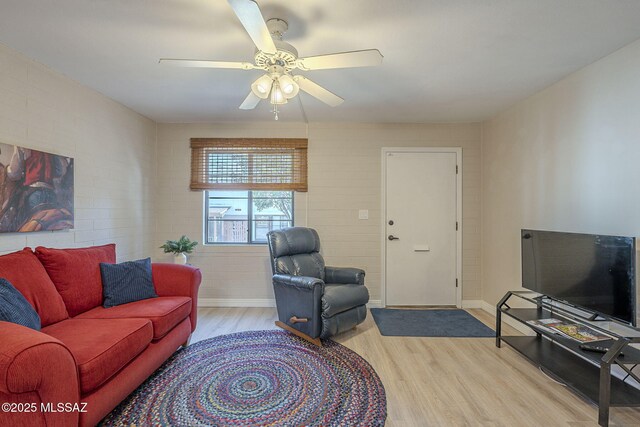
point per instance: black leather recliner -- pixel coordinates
(313, 301)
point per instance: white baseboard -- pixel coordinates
(255, 302)
(488, 307)
(472, 303)
(506, 319)
(236, 302)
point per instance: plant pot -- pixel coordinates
(180, 258)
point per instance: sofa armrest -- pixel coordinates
(344, 275)
(36, 368)
(178, 280)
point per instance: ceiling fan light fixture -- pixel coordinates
(262, 87)
(289, 87)
(277, 95)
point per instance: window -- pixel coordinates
(248, 184)
(246, 216)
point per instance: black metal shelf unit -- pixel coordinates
(587, 373)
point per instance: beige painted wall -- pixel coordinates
(344, 176)
(566, 159)
(113, 148)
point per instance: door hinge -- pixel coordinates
(456, 283)
(456, 225)
(456, 169)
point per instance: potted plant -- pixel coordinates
(180, 248)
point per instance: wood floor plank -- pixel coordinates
(445, 381)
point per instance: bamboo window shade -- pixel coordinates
(249, 164)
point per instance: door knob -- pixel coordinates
(392, 237)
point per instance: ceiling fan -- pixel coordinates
(278, 59)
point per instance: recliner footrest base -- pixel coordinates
(297, 333)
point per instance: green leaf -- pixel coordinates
(182, 245)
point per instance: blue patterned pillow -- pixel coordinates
(126, 282)
(15, 308)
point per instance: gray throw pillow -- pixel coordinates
(126, 282)
(15, 308)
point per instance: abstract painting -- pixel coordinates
(36, 190)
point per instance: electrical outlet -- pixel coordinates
(363, 214)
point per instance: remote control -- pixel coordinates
(596, 349)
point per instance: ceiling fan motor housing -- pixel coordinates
(286, 55)
(277, 27)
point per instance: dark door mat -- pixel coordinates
(429, 323)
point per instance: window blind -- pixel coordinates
(248, 164)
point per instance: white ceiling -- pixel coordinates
(444, 60)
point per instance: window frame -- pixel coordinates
(250, 221)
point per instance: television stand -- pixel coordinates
(586, 373)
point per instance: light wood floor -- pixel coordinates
(445, 381)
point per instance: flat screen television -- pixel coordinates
(585, 270)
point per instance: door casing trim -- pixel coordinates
(458, 152)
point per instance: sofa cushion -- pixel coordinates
(163, 312)
(127, 282)
(15, 309)
(101, 347)
(76, 274)
(28, 276)
(338, 298)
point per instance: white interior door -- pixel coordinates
(421, 230)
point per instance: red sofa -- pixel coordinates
(86, 359)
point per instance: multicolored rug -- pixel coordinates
(262, 378)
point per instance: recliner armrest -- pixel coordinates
(300, 297)
(303, 282)
(344, 275)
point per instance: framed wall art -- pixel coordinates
(36, 190)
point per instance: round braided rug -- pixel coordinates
(262, 378)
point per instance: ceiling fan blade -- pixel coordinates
(250, 102)
(251, 19)
(318, 91)
(197, 63)
(358, 58)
